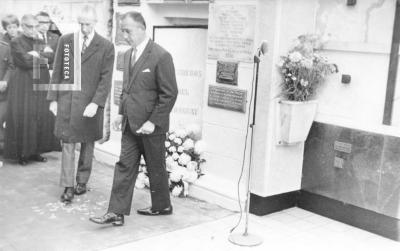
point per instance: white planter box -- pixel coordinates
(296, 119)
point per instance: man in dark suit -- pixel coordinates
(80, 112)
(149, 93)
(50, 39)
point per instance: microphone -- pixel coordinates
(262, 50)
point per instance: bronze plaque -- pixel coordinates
(227, 72)
(117, 91)
(120, 60)
(227, 98)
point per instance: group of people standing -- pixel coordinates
(58, 117)
(26, 122)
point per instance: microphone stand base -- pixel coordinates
(247, 240)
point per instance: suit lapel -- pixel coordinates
(126, 79)
(92, 48)
(139, 63)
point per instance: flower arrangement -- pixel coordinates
(303, 69)
(184, 151)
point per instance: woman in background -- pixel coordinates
(10, 24)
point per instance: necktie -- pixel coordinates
(84, 46)
(133, 58)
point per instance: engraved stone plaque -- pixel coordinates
(227, 98)
(342, 147)
(231, 31)
(117, 91)
(227, 72)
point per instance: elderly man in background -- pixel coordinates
(49, 38)
(80, 112)
(29, 123)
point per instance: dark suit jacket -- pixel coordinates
(5, 65)
(6, 38)
(96, 75)
(150, 90)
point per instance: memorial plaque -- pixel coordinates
(227, 72)
(120, 60)
(231, 32)
(342, 147)
(227, 98)
(117, 91)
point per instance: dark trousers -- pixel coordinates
(127, 168)
(3, 116)
(68, 164)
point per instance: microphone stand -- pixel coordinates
(245, 238)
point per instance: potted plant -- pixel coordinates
(303, 71)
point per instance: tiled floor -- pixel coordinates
(292, 229)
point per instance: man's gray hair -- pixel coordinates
(28, 17)
(88, 10)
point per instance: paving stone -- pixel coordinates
(32, 218)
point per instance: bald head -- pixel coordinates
(87, 19)
(29, 24)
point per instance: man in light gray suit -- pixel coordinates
(80, 113)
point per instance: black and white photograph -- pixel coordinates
(199, 125)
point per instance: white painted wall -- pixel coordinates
(360, 45)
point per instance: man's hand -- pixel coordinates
(147, 128)
(48, 49)
(3, 86)
(90, 110)
(53, 107)
(34, 53)
(117, 123)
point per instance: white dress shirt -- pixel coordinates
(88, 41)
(140, 48)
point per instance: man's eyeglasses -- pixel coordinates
(30, 26)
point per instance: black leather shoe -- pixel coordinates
(151, 212)
(68, 195)
(109, 218)
(80, 188)
(38, 158)
(22, 161)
